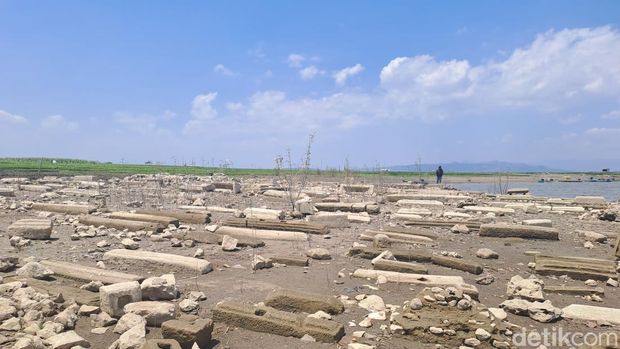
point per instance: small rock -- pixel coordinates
(307, 338)
(34, 270)
(229, 243)
(130, 244)
(482, 334)
(372, 303)
(318, 253)
(435, 330)
(486, 253)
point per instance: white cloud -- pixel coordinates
(560, 74)
(602, 131)
(168, 115)
(12, 118)
(58, 122)
(342, 75)
(614, 114)
(202, 108)
(309, 73)
(202, 111)
(145, 123)
(295, 60)
(222, 70)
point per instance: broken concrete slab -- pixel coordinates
(114, 297)
(401, 267)
(576, 267)
(33, 229)
(120, 224)
(81, 297)
(486, 209)
(262, 234)
(539, 222)
(591, 313)
(141, 217)
(458, 263)
(518, 231)
(442, 223)
(290, 260)
(80, 272)
(155, 313)
(188, 330)
(591, 201)
(405, 255)
(271, 224)
(212, 238)
(186, 216)
(159, 288)
(297, 301)
(330, 220)
(269, 320)
(7, 192)
(74, 209)
(148, 260)
(67, 340)
(263, 213)
(357, 207)
(574, 290)
(401, 236)
(419, 279)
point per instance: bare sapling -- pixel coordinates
(294, 177)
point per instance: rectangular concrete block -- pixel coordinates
(34, 229)
(404, 255)
(297, 301)
(146, 260)
(330, 220)
(63, 208)
(518, 231)
(188, 330)
(141, 217)
(419, 279)
(539, 222)
(185, 216)
(114, 297)
(269, 320)
(262, 234)
(120, 224)
(458, 263)
(67, 340)
(86, 274)
(290, 260)
(272, 224)
(7, 192)
(576, 267)
(591, 313)
(401, 267)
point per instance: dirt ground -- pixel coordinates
(233, 277)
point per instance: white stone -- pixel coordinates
(159, 288)
(114, 297)
(372, 303)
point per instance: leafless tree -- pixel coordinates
(294, 176)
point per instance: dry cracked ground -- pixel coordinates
(162, 261)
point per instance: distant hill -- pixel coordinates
(490, 166)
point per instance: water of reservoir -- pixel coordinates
(609, 190)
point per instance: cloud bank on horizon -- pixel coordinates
(556, 98)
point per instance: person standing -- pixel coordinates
(439, 174)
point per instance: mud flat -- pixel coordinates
(227, 263)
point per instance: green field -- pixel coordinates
(46, 166)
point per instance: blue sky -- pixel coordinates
(378, 81)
